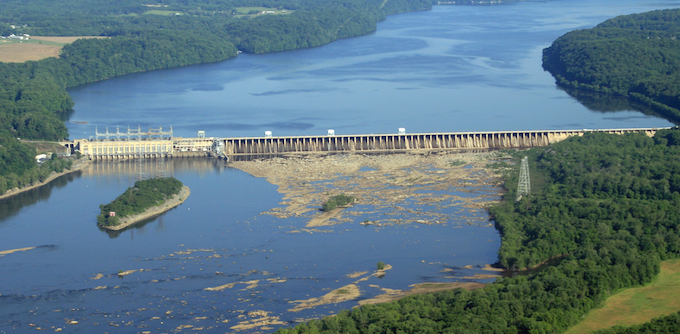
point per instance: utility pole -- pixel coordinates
(524, 186)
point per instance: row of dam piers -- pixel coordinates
(378, 143)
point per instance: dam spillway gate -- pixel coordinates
(244, 146)
(404, 142)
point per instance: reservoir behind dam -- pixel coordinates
(452, 69)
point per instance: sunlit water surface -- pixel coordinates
(455, 68)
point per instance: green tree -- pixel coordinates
(380, 265)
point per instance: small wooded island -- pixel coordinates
(145, 199)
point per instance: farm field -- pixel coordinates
(246, 11)
(36, 48)
(637, 305)
(162, 12)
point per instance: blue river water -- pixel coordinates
(216, 237)
(454, 68)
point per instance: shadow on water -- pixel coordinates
(531, 271)
(12, 205)
(113, 234)
(66, 115)
(506, 273)
(609, 103)
(147, 168)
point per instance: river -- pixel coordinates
(454, 68)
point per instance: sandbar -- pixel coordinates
(10, 251)
(345, 293)
(260, 319)
(390, 295)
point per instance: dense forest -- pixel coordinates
(136, 199)
(637, 56)
(144, 37)
(604, 208)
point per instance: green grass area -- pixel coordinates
(248, 11)
(45, 42)
(637, 305)
(45, 146)
(456, 163)
(31, 41)
(162, 12)
(337, 201)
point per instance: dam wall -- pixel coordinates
(405, 142)
(268, 145)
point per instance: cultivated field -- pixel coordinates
(637, 305)
(251, 11)
(36, 48)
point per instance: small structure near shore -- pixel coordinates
(145, 199)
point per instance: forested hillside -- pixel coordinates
(147, 37)
(152, 36)
(607, 211)
(637, 56)
(18, 167)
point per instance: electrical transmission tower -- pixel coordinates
(140, 167)
(524, 187)
(160, 167)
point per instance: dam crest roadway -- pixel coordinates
(157, 143)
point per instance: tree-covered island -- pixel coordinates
(145, 199)
(636, 56)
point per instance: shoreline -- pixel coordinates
(77, 165)
(176, 200)
(390, 295)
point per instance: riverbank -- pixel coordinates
(390, 295)
(78, 165)
(174, 201)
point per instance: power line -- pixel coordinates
(524, 186)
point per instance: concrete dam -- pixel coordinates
(119, 145)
